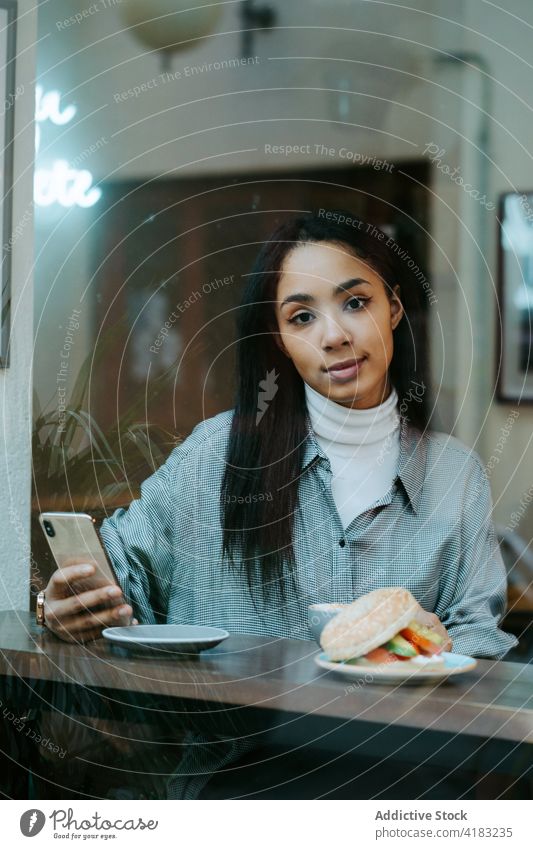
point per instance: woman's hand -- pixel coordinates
(431, 620)
(70, 615)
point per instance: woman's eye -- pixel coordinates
(301, 318)
(355, 304)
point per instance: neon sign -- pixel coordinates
(59, 184)
(47, 107)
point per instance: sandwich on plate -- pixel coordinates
(382, 627)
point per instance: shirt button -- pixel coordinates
(342, 543)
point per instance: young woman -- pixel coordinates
(324, 482)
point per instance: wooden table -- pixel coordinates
(482, 720)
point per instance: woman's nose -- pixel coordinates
(334, 334)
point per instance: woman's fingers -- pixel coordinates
(94, 633)
(85, 625)
(61, 583)
(69, 606)
(431, 620)
(424, 617)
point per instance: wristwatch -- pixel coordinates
(39, 609)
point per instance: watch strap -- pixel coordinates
(39, 609)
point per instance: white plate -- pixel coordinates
(401, 671)
(172, 639)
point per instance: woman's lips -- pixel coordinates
(341, 373)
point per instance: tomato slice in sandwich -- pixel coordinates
(381, 655)
(421, 642)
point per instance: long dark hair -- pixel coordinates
(259, 493)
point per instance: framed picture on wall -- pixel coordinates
(515, 295)
(8, 96)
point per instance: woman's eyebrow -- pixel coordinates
(304, 298)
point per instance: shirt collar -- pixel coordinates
(411, 461)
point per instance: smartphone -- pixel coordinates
(74, 538)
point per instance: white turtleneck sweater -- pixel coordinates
(363, 448)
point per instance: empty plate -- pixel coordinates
(172, 639)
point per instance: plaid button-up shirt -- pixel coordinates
(431, 533)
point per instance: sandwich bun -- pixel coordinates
(368, 622)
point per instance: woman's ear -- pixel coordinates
(396, 308)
